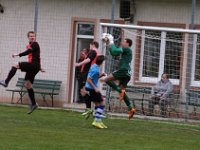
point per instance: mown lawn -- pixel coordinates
(64, 130)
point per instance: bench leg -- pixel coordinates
(12, 97)
(44, 99)
(51, 100)
(21, 96)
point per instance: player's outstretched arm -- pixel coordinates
(115, 51)
(109, 40)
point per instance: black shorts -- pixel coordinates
(31, 70)
(94, 96)
(123, 76)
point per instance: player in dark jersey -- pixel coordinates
(32, 67)
(86, 64)
(123, 74)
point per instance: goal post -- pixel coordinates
(158, 50)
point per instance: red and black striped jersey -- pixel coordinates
(33, 52)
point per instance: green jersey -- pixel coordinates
(126, 56)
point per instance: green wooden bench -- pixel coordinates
(41, 86)
(193, 99)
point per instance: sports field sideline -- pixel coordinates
(59, 129)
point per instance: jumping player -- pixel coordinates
(32, 67)
(94, 92)
(123, 74)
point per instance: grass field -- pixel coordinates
(64, 130)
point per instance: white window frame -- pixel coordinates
(161, 62)
(193, 81)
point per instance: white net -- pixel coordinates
(174, 52)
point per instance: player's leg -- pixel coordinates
(29, 86)
(85, 96)
(31, 71)
(132, 108)
(118, 89)
(99, 108)
(88, 112)
(11, 74)
(163, 106)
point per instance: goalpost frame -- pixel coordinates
(189, 50)
(136, 27)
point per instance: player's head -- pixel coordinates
(31, 36)
(100, 59)
(126, 43)
(164, 77)
(94, 45)
(84, 53)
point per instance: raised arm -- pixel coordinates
(115, 51)
(34, 47)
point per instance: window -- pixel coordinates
(151, 54)
(196, 61)
(160, 52)
(173, 55)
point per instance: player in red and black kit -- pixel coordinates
(86, 64)
(32, 67)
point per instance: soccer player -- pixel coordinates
(94, 92)
(78, 73)
(123, 74)
(86, 66)
(32, 67)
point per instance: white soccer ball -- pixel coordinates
(107, 38)
(104, 37)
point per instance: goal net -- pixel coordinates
(156, 50)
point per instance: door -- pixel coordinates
(84, 36)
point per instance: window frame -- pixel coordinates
(194, 82)
(161, 61)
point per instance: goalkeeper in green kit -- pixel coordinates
(123, 74)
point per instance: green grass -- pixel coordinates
(64, 130)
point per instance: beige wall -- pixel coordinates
(54, 33)
(171, 11)
(54, 29)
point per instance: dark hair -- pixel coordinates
(95, 43)
(129, 41)
(86, 50)
(167, 76)
(30, 32)
(100, 59)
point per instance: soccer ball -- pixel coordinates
(107, 38)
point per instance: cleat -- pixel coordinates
(131, 113)
(87, 113)
(97, 124)
(3, 83)
(103, 125)
(32, 108)
(121, 95)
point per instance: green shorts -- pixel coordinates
(123, 75)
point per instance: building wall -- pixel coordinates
(55, 30)
(54, 34)
(169, 11)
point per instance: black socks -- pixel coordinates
(32, 96)
(11, 74)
